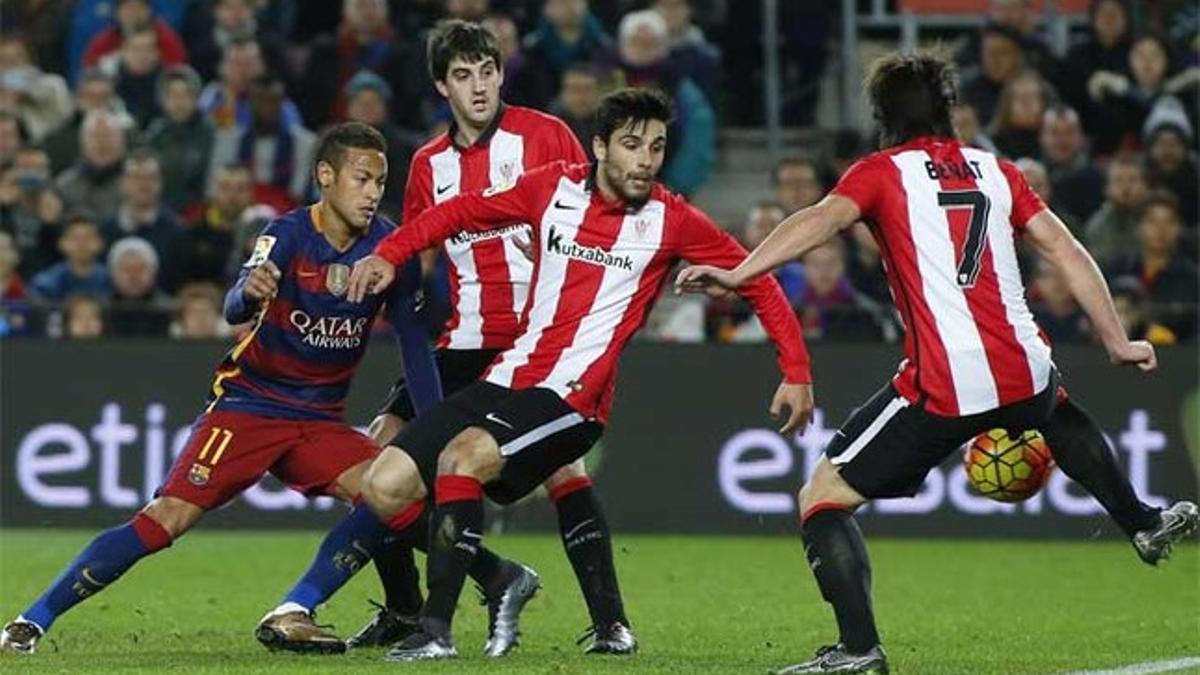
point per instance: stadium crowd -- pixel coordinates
(143, 143)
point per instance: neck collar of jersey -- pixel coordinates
(485, 137)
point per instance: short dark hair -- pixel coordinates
(79, 217)
(631, 106)
(455, 38)
(911, 95)
(1164, 198)
(797, 160)
(332, 146)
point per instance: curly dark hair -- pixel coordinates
(911, 95)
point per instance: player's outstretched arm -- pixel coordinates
(253, 286)
(1057, 245)
(796, 235)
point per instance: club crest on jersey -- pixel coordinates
(640, 226)
(262, 250)
(198, 475)
(337, 278)
(506, 173)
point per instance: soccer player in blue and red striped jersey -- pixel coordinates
(277, 401)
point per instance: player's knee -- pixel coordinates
(350, 483)
(567, 473)
(384, 428)
(391, 483)
(826, 486)
(471, 453)
(173, 515)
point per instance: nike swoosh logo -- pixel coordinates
(571, 532)
(491, 417)
(469, 534)
(566, 207)
(443, 188)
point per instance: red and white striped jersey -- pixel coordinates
(946, 218)
(489, 276)
(600, 267)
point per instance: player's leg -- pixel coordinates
(1080, 450)
(588, 544)
(225, 454)
(515, 445)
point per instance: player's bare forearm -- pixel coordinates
(798, 234)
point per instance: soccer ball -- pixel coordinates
(1008, 469)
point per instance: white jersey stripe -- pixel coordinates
(447, 182)
(506, 154)
(1008, 273)
(552, 274)
(974, 386)
(640, 235)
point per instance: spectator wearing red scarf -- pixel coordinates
(133, 16)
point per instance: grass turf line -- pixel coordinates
(698, 605)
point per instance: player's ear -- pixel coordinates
(325, 175)
(599, 148)
(440, 85)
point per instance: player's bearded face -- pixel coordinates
(632, 157)
(473, 90)
(354, 190)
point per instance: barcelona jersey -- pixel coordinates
(298, 359)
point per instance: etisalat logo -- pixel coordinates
(591, 254)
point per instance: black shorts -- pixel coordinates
(457, 369)
(536, 430)
(886, 447)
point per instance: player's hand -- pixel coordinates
(712, 281)
(798, 399)
(525, 246)
(262, 282)
(372, 274)
(1136, 353)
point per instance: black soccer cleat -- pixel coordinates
(1154, 545)
(835, 659)
(387, 627)
(504, 606)
(423, 646)
(20, 636)
(614, 639)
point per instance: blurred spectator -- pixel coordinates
(95, 91)
(89, 18)
(44, 25)
(364, 41)
(520, 85)
(199, 315)
(245, 231)
(692, 135)
(277, 151)
(182, 138)
(131, 17)
(213, 26)
(1022, 18)
(864, 264)
(12, 137)
(1105, 49)
(577, 102)
(1001, 59)
(760, 222)
(1054, 307)
(467, 10)
(141, 213)
(83, 318)
(675, 318)
(368, 100)
(40, 100)
(1172, 282)
(93, 181)
(202, 250)
(1121, 103)
(1039, 180)
(1112, 230)
(12, 287)
(1017, 125)
(137, 307)
(1170, 162)
(31, 210)
(830, 308)
(566, 33)
(1077, 182)
(137, 68)
(798, 183)
(81, 270)
(1129, 299)
(848, 148)
(968, 130)
(691, 54)
(227, 101)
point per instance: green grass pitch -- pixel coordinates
(698, 605)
